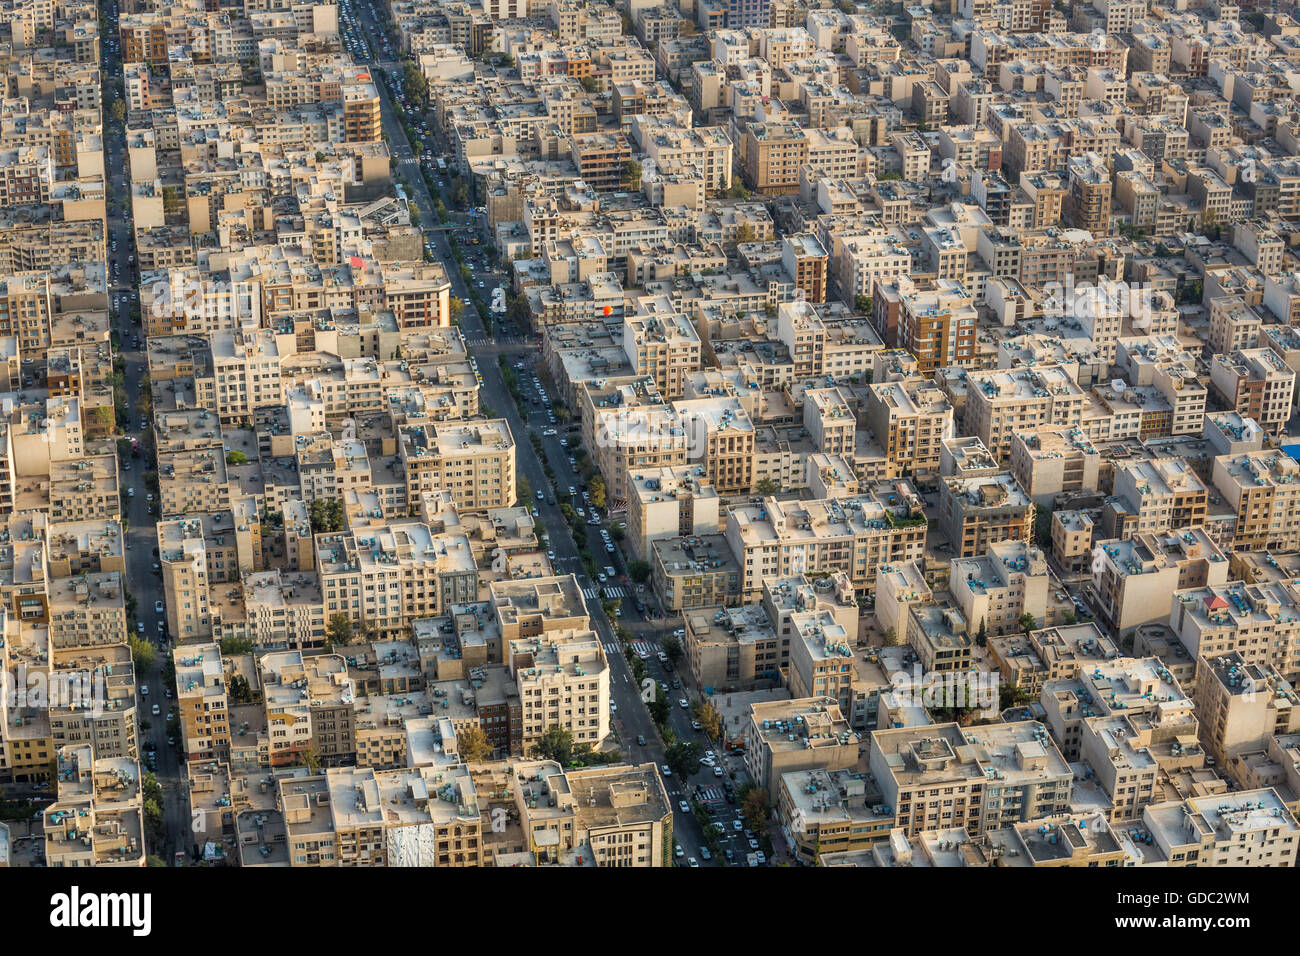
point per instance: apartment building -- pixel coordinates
(855, 535)
(997, 589)
(731, 648)
(1241, 707)
(1263, 488)
(1003, 402)
(698, 571)
(669, 502)
(830, 812)
(1132, 578)
(772, 154)
(978, 512)
(1242, 828)
(1228, 616)
(563, 681)
(626, 427)
(786, 736)
(1255, 383)
(805, 261)
(1159, 495)
(1050, 460)
(721, 438)
(941, 776)
(474, 461)
(941, 637)
(664, 347)
(910, 419)
(202, 701)
(936, 325)
(385, 576)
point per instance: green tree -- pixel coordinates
(588, 83)
(339, 630)
(556, 744)
(632, 174)
(413, 79)
(672, 647)
(117, 111)
(311, 757)
(320, 157)
(459, 193)
(891, 637)
(326, 515)
(1069, 618)
(745, 233)
(240, 691)
(863, 303)
(659, 709)
(1028, 622)
(639, 571)
(982, 638)
(234, 646)
(143, 654)
(767, 486)
(236, 458)
(755, 807)
(709, 719)
(473, 744)
(683, 758)
(596, 488)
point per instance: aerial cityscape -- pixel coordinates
(654, 433)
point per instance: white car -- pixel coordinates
(157, 711)
(684, 704)
(144, 690)
(684, 806)
(158, 607)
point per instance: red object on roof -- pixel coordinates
(357, 262)
(1214, 603)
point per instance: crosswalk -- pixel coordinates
(611, 593)
(494, 340)
(612, 648)
(645, 647)
(710, 794)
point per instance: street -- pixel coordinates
(140, 532)
(631, 719)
